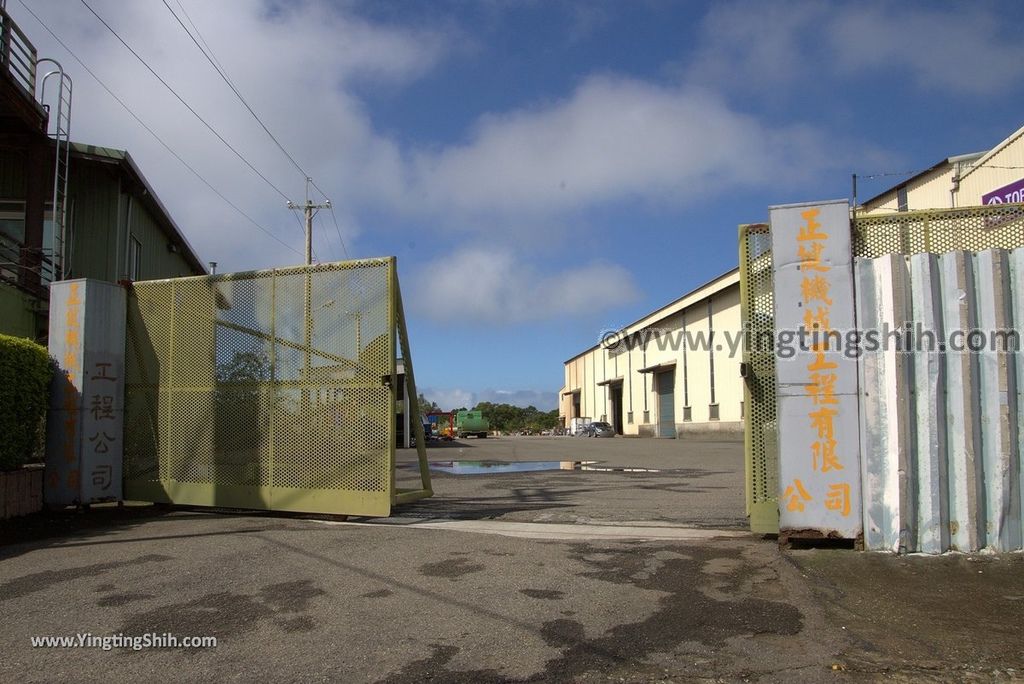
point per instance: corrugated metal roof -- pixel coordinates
(713, 286)
(128, 166)
(994, 151)
(940, 166)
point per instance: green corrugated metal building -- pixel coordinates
(117, 230)
(115, 227)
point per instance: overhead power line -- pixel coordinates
(338, 231)
(887, 174)
(154, 134)
(183, 102)
(196, 36)
(221, 72)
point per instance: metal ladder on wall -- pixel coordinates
(59, 130)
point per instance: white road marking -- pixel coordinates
(558, 531)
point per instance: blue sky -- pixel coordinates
(542, 170)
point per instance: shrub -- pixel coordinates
(25, 372)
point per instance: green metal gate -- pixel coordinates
(269, 389)
(757, 311)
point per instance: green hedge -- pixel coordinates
(25, 372)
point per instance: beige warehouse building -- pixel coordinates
(676, 371)
(673, 372)
(967, 180)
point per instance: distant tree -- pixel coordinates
(509, 418)
(245, 366)
(427, 406)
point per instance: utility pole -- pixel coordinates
(310, 210)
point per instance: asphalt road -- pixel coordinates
(689, 482)
(494, 591)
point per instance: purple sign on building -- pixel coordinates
(1014, 192)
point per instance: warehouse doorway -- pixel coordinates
(616, 399)
(665, 382)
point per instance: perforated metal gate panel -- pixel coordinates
(270, 389)
(758, 315)
(938, 231)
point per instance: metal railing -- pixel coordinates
(12, 263)
(17, 54)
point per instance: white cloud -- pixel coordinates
(542, 401)
(959, 48)
(297, 64)
(754, 46)
(517, 175)
(493, 286)
(612, 139)
(449, 399)
(955, 48)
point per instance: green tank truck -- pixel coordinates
(471, 423)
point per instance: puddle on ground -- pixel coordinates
(496, 467)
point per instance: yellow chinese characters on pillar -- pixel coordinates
(810, 258)
(816, 319)
(811, 230)
(821, 380)
(796, 496)
(72, 332)
(822, 388)
(815, 289)
(838, 498)
(825, 458)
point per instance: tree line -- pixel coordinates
(505, 417)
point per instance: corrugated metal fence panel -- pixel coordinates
(1017, 308)
(883, 403)
(941, 427)
(958, 313)
(928, 434)
(992, 287)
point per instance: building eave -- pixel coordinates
(708, 289)
(994, 151)
(943, 165)
(128, 166)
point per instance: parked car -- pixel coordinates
(598, 429)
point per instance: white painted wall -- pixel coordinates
(664, 335)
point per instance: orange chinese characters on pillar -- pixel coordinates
(838, 498)
(825, 457)
(815, 289)
(822, 388)
(812, 229)
(822, 421)
(817, 319)
(796, 496)
(820, 362)
(810, 258)
(72, 331)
